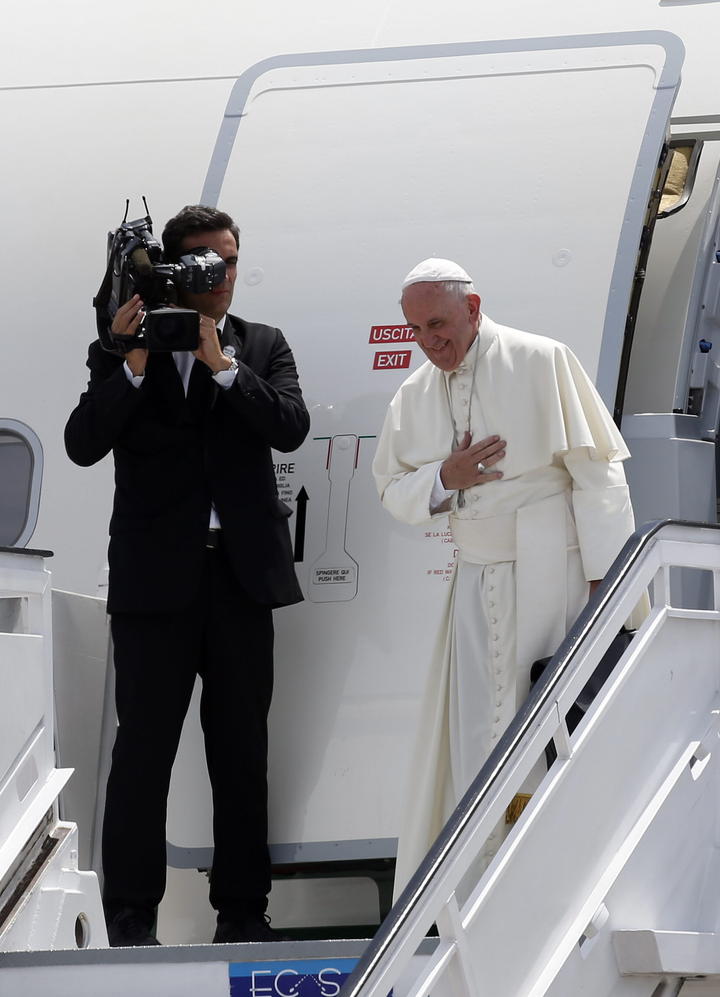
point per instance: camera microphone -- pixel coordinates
(141, 261)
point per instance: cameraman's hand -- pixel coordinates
(127, 318)
(209, 350)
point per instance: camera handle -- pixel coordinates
(101, 303)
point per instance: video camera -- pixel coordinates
(136, 266)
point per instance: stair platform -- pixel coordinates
(302, 968)
(668, 953)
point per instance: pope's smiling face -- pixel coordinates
(444, 325)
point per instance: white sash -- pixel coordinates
(537, 538)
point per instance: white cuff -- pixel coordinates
(439, 494)
(225, 378)
(135, 379)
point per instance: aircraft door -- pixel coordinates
(344, 170)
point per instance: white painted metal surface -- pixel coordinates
(621, 834)
(46, 902)
(668, 953)
(179, 971)
(176, 979)
(29, 781)
(60, 909)
(85, 722)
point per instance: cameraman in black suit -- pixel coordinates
(199, 555)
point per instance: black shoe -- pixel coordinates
(131, 926)
(250, 928)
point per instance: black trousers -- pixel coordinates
(228, 640)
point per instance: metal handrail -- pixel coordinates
(523, 724)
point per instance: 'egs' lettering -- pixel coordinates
(265, 983)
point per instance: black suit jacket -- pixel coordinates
(174, 455)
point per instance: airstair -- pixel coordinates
(46, 901)
(608, 883)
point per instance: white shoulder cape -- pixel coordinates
(532, 392)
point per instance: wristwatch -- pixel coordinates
(233, 367)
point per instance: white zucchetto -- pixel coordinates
(433, 270)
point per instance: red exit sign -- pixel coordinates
(391, 334)
(392, 359)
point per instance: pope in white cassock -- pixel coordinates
(504, 431)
